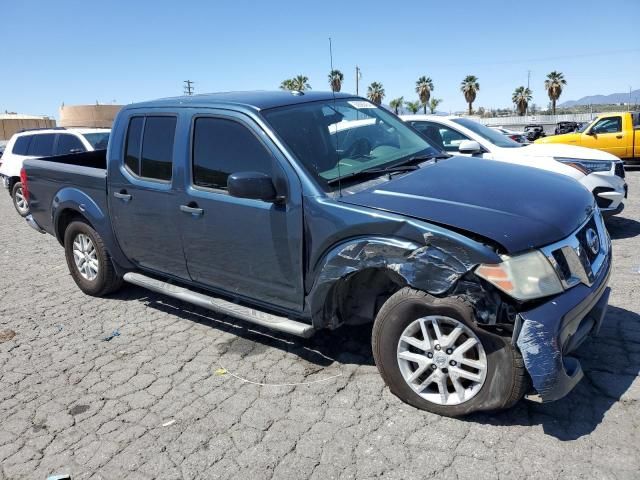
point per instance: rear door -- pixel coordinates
(143, 203)
(249, 248)
(607, 134)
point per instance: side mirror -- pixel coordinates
(591, 132)
(470, 147)
(254, 185)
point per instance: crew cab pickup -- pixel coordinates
(615, 133)
(295, 212)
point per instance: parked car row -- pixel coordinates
(302, 212)
(44, 143)
(600, 172)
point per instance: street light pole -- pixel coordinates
(357, 79)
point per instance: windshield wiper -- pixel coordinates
(400, 167)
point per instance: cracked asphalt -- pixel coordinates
(178, 393)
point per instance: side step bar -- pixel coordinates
(219, 305)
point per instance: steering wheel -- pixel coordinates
(359, 148)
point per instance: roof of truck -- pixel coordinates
(259, 100)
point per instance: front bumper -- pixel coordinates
(547, 334)
(5, 181)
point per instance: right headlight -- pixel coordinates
(523, 277)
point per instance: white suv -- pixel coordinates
(44, 143)
(600, 172)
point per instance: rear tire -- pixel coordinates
(20, 203)
(89, 261)
(477, 370)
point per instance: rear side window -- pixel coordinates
(149, 147)
(42, 145)
(133, 142)
(21, 147)
(68, 144)
(157, 147)
(222, 147)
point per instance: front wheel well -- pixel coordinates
(64, 220)
(357, 298)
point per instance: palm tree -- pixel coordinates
(424, 87)
(470, 87)
(287, 84)
(521, 98)
(300, 83)
(413, 107)
(554, 83)
(396, 104)
(375, 93)
(433, 104)
(335, 80)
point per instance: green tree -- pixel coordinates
(335, 80)
(470, 88)
(287, 84)
(433, 104)
(375, 92)
(521, 98)
(424, 87)
(553, 84)
(396, 104)
(413, 107)
(300, 83)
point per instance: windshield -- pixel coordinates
(98, 140)
(492, 136)
(582, 127)
(339, 139)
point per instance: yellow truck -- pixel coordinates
(616, 133)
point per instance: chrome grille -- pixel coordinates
(574, 259)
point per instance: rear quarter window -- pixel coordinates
(21, 147)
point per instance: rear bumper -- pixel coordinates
(547, 334)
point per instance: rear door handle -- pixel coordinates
(195, 211)
(122, 196)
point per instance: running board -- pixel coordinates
(258, 317)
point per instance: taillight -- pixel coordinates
(515, 137)
(23, 181)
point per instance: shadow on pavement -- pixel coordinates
(610, 368)
(621, 227)
(609, 365)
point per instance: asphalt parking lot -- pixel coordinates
(142, 386)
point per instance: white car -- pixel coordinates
(600, 172)
(44, 143)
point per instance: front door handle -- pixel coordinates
(618, 136)
(195, 211)
(122, 195)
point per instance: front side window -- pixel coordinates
(608, 125)
(42, 145)
(21, 147)
(149, 147)
(441, 136)
(69, 144)
(342, 138)
(222, 147)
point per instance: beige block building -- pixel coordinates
(93, 116)
(11, 123)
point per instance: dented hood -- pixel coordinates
(517, 207)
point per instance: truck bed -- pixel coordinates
(54, 180)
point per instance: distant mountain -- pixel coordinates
(603, 99)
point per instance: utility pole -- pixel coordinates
(528, 80)
(629, 103)
(357, 79)
(188, 87)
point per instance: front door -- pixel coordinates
(606, 134)
(142, 201)
(244, 247)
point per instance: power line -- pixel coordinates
(188, 87)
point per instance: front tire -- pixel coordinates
(89, 261)
(20, 202)
(432, 355)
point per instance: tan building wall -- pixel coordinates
(95, 116)
(9, 125)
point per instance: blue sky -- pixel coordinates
(82, 52)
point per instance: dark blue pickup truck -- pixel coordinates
(301, 212)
